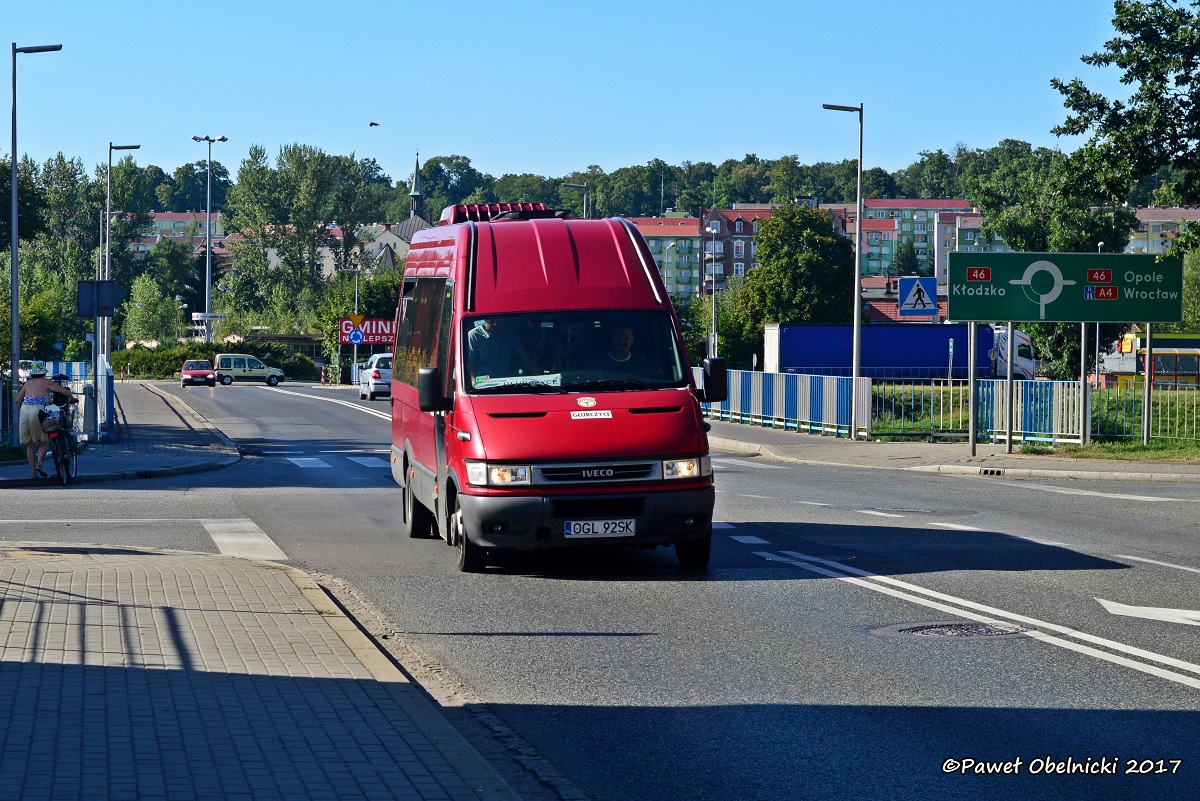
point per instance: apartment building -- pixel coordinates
(676, 245)
(1157, 228)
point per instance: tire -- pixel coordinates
(226, 380)
(371, 396)
(417, 518)
(471, 557)
(212, 383)
(272, 380)
(60, 470)
(693, 555)
(69, 457)
(182, 384)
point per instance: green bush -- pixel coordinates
(165, 360)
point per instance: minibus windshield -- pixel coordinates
(563, 351)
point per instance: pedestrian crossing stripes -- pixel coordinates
(242, 537)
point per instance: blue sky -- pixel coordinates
(546, 87)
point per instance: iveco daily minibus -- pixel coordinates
(541, 396)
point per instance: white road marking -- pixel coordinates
(243, 538)
(912, 592)
(811, 503)
(348, 404)
(955, 526)
(747, 539)
(760, 497)
(1154, 562)
(308, 462)
(747, 463)
(1188, 617)
(877, 514)
(369, 461)
(722, 525)
(1112, 495)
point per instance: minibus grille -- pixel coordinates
(597, 472)
(598, 507)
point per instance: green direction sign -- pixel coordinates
(1064, 288)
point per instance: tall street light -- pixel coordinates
(584, 187)
(101, 330)
(712, 345)
(208, 237)
(857, 349)
(15, 362)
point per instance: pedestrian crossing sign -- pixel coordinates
(918, 297)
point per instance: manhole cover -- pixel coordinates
(952, 629)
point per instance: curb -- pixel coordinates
(964, 470)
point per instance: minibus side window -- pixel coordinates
(417, 335)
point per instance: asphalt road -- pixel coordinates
(789, 669)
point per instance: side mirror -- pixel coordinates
(429, 391)
(716, 381)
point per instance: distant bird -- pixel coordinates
(374, 125)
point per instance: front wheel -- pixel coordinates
(694, 554)
(471, 557)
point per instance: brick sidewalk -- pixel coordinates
(135, 674)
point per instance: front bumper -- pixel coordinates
(208, 380)
(538, 522)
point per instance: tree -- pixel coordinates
(1158, 53)
(803, 267)
(30, 202)
(150, 314)
(904, 262)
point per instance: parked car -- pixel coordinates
(242, 367)
(375, 378)
(197, 371)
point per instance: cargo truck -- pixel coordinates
(896, 351)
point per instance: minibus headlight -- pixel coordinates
(477, 473)
(687, 468)
(482, 474)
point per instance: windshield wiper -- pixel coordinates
(614, 382)
(522, 386)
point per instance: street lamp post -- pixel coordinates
(15, 361)
(856, 358)
(712, 345)
(584, 187)
(101, 328)
(208, 236)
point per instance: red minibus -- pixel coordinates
(541, 396)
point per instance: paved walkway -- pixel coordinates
(150, 674)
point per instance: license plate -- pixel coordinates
(599, 528)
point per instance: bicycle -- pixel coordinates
(58, 423)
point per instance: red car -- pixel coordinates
(197, 371)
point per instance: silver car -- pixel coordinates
(375, 378)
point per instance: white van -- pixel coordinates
(243, 367)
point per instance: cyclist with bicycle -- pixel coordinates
(32, 398)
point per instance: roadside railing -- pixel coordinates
(1174, 411)
(1043, 411)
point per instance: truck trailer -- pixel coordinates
(895, 351)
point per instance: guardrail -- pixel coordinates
(810, 404)
(1043, 411)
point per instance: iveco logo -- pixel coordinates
(586, 402)
(604, 472)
